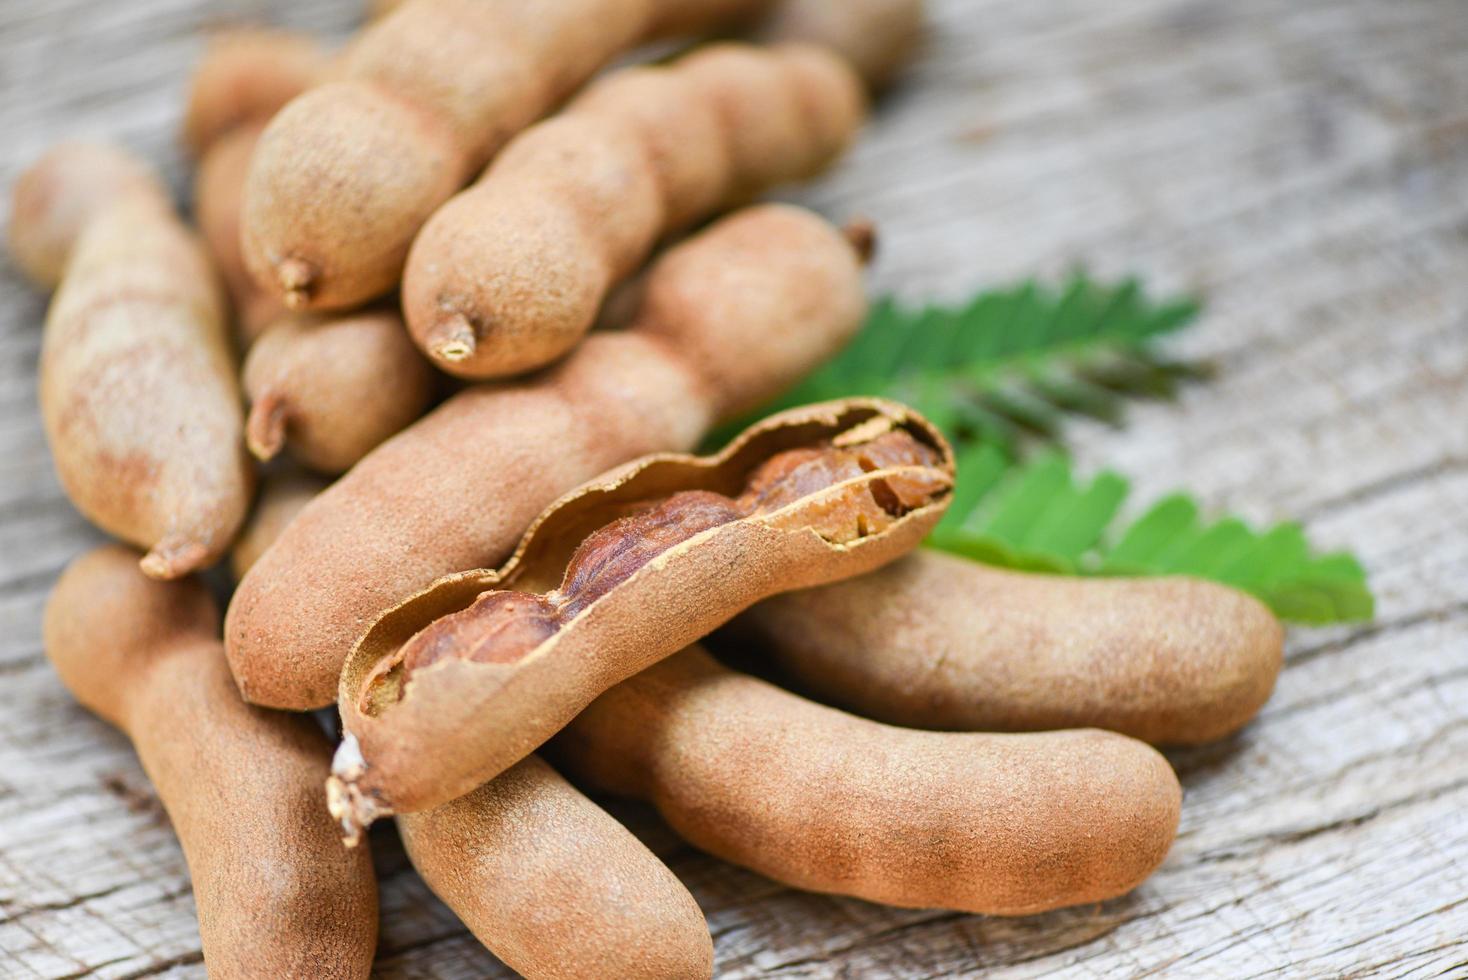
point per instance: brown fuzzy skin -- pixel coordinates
(419, 103)
(54, 199)
(935, 641)
(219, 186)
(332, 389)
(827, 802)
(509, 275)
(878, 38)
(460, 722)
(731, 317)
(277, 895)
(138, 390)
(554, 886)
(282, 496)
(244, 77)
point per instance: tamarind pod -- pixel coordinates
(277, 895)
(553, 885)
(827, 802)
(243, 78)
(138, 390)
(445, 691)
(282, 495)
(878, 38)
(731, 317)
(218, 187)
(934, 641)
(59, 194)
(417, 105)
(333, 389)
(509, 274)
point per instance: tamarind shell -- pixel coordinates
(460, 722)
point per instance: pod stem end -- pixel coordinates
(452, 339)
(265, 427)
(174, 557)
(353, 809)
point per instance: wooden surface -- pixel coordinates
(1305, 162)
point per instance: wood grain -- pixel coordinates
(1303, 162)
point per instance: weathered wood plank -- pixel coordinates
(1302, 162)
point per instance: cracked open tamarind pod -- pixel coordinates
(416, 106)
(509, 274)
(729, 319)
(934, 641)
(138, 391)
(464, 679)
(553, 885)
(828, 802)
(277, 894)
(331, 389)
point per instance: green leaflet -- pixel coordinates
(1012, 363)
(1010, 366)
(1035, 515)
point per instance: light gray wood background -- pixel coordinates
(1304, 162)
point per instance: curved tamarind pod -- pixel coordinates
(332, 389)
(462, 680)
(827, 802)
(509, 274)
(730, 318)
(138, 390)
(553, 885)
(935, 641)
(878, 38)
(57, 196)
(243, 78)
(282, 496)
(418, 104)
(277, 895)
(219, 185)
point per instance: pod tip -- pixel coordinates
(861, 234)
(265, 426)
(295, 277)
(452, 338)
(173, 557)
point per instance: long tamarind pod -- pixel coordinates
(729, 318)
(348, 172)
(935, 641)
(138, 390)
(457, 683)
(277, 895)
(509, 275)
(553, 885)
(827, 802)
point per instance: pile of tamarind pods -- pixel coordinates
(480, 534)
